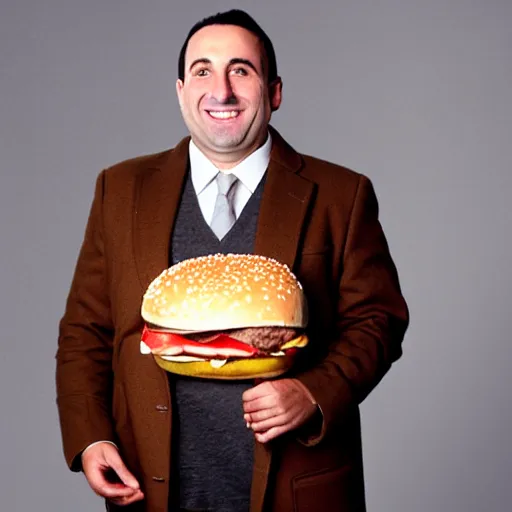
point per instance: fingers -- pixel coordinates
(128, 500)
(108, 476)
(275, 400)
(274, 421)
(259, 404)
(101, 485)
(258, 391)
(276, 407)
(273, 417)
(262, 414)
(265, 419)
(265, 437)
(116, 463)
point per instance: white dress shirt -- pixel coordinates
(249, 172)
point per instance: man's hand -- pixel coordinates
(108, 476)
(275, 407)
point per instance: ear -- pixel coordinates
(275, 93)
(179, 89)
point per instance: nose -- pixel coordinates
(221, 88)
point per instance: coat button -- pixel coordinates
(162, 408)
(158, 479)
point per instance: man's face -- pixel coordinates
(225, 99)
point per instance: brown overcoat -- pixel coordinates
(320, 219)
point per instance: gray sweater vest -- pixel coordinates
(213, 453)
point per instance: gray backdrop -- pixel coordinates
(415, 94)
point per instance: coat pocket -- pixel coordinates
(323, 491)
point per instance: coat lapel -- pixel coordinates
(284, 204)
(159, 192)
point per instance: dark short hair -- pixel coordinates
(240, 19)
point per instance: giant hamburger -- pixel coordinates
(232, 316)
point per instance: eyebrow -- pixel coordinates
(243, 61)
(236, 60)
(204, 60)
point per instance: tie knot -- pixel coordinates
(225, 182)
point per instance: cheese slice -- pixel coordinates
(301, 341)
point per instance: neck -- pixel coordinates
(226, 161)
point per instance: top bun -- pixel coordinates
(225, 291)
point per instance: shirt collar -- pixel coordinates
(249, 171)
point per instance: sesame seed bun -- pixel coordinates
(217, 292)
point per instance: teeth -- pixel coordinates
(280, 353)
(144, 349)
(224, 115)
(217, 363)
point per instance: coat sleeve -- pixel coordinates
(371, 318)
(84, 355)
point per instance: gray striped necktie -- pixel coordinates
(223, 213)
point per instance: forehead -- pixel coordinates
(224, 42)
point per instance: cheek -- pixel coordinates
(251, 92)
(191, 97)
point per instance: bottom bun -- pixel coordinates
(236, 369)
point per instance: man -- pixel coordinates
(149, 442)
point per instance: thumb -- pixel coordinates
(116, 463)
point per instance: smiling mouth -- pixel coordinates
(230, 114)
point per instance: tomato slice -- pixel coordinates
(221, 346)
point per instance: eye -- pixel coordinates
(239, 71)
(202, 72)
